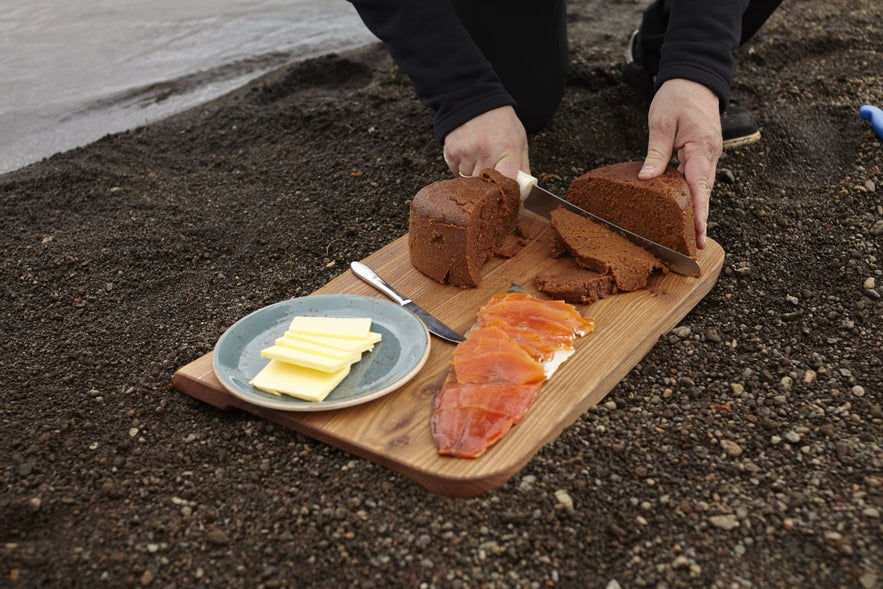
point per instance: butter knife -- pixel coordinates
(434, 326)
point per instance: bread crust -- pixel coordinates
(455, 226)
(660, 209)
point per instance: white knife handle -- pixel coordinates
(525, 183)
(372, 278)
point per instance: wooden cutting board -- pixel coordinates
(394, 431)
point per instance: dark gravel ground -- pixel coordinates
(743, 451)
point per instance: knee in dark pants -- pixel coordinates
(536, 105)
(526, 43)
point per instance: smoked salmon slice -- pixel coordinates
(470, 417)
(551, 318)
(539, 345)
(489, 355)
(516, 344)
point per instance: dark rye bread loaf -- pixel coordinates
(659, 209)
(597, 248)
(456, 225)
(576, 286)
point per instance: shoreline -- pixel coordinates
(69, 88)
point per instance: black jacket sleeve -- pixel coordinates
(699, 42)
(452, 76)
(432, 47)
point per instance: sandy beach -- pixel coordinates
(744, 451)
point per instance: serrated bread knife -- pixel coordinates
(434, 326)
(543, 202)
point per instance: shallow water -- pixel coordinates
(73, 71)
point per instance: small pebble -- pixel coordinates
(732, 449)
(680, 562)
(869, 283)
(682, 331)
(564, 500)
(792, 437)
(217, 537)
(868, 581)
(527, 482)
(858, 391)
(724, 522)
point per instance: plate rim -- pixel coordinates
(307, 406)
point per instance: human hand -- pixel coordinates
(495, 139)
(685, 116)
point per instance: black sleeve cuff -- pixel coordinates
(713, 82)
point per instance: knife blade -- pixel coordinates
(434, 326)
(543, 202)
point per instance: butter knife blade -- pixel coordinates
(434, 326)
(543, 202)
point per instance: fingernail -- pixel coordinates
(647, 169)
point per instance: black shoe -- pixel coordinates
(737, 127)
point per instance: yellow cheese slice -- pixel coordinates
(336, 343)
(340, 327)
(296, 344)
(280, 378)
(309, 359)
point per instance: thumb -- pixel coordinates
(659, 150)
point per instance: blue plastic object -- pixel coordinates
(875, 116)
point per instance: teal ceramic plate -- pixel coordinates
(396, 359)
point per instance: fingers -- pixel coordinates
(663, 128)
(699, 173)
(495, 139)
(464, 164)
(659, 148)
(507, 163)
(684, 117)
(458, 163)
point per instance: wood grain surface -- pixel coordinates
(394, 431)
